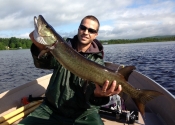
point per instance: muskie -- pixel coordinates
(89, 70)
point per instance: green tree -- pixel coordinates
(2, 46)
(24, 46)
(18, 44)
(12, 45)
(13, 42)
(28, 43)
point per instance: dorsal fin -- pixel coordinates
(126, 71)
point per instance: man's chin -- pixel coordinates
(84, 42)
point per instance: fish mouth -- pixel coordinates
(36, 23)
(37, 36)
(42, 32)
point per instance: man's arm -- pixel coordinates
(45, 62)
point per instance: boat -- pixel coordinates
(159, 111)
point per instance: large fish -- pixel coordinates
(86, 69)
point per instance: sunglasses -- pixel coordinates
(90, 30)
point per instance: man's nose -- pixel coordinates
(86, 31)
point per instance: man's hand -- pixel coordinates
(40, 46)
(107, 91)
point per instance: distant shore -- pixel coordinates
(18, 43)
(140, 40)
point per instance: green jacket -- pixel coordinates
(67, 94)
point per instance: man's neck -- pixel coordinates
(83, 48)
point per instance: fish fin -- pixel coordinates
(143, 97)
(126, 71)
(43, 52)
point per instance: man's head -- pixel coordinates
(88, 30)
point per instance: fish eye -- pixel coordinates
(47, 26)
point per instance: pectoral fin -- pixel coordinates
(43, 52)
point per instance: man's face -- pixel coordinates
(86, 32)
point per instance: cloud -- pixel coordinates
(119, 19)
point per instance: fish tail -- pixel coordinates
(143, 97)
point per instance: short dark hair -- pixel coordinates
(92, 18)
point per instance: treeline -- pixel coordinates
(17, 43)
(14, 43)
(140, 40)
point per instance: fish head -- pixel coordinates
(45, 31)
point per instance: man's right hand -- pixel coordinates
(107, 90)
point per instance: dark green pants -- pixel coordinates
(45, 116)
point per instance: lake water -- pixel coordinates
(156, 60)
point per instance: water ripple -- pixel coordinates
(156, 60)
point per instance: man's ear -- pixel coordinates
(96, 35)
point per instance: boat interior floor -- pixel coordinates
(149, 119)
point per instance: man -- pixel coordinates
(71, 100)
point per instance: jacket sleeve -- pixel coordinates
(88, 90)
(47, 61)
(99, 100)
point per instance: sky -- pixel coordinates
(119, 19)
